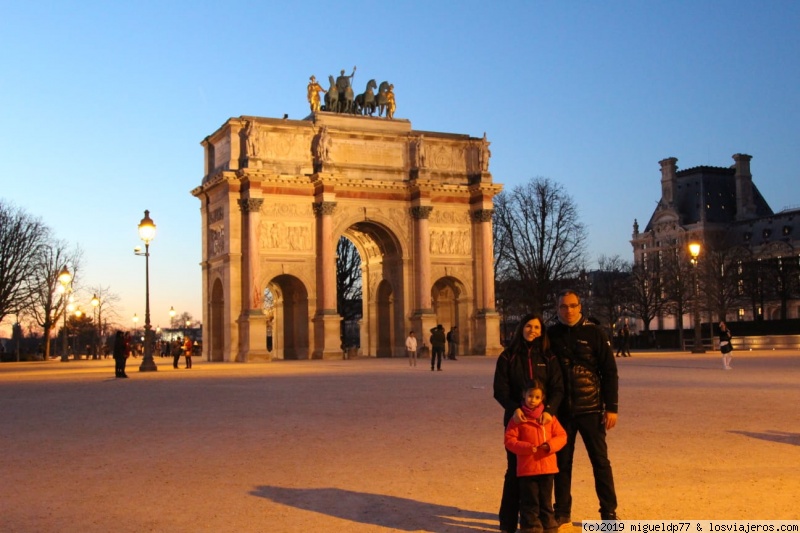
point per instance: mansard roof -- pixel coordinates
(781, 231)
(717, 188)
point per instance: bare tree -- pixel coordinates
(647, 300)
(719, 273)
(678, 285)
(46, 304)
(611, 288)
(22, 238)
(348, 279)
(539, 242)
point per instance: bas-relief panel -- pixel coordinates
(370, 153)
(270, 144)
(295, 236)
(222, 152)
(280, 210)
(450, 241)
(449, 216)
(445, 239)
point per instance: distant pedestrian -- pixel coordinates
(120, 355)
(438, 341)
(725, 345)
(411, 348)
(187, 351)
(626, 341)
(177, 351)
(452, 343)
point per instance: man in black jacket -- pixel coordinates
(590, 403)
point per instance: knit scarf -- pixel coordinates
(532, 415)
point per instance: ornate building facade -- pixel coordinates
(278, 194)
(723, 210)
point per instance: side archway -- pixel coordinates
(217, 315)
(286, 307)
(451, 306)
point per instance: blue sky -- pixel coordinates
(103, 104)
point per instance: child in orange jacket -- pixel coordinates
(535, 442)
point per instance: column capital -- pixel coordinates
(482, 215)
(250, 205)
(421, 211)
(324, 208)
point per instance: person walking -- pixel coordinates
(177, 351)
(187, 351)
(590, 406)
(411, 348)
(725, 346)
(120, 355)
(626, 341)
(535, 445)
(437, 341)
(526, 358)
(452, 343)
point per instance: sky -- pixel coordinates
(103, 105)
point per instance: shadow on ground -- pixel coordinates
(772, 436)
(401, 514)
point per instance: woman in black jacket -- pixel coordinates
(526, 358)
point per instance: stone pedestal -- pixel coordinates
(327, 332)
(253, 337)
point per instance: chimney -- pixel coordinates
(668, 181)
(745, 207)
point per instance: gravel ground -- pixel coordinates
(371, 445)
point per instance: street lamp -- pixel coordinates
(147, 231)
(96, 306)
(65, 277)
(694, 251)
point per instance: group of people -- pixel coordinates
(439, 341)
(122, 350)
(624, 341)
(554, 384)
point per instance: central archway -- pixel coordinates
(382, 274)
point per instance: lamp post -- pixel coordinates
(96, 306)
(65, 277)
(694, 251)
(147, 231)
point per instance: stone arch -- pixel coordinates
(451, 305)
(383, 272)
(288, 318)
(272, 213)
(216, 349)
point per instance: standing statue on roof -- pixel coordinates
(313, 94)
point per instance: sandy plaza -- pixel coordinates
(371, 445)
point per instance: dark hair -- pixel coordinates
(534, 384)
(517, 340)
(565, 292)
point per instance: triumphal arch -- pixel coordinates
(278, 194)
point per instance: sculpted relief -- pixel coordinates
(450, 242)
(295, 236)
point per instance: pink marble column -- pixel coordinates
(326, 267)
(483, 218)
(422, 253)
(251, 207)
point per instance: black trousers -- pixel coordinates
(436, 357)
(593, 433)
(119, 366)
(536, 503)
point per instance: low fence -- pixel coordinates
(751, 342)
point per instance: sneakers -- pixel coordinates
(563, 521)
(609, 516)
